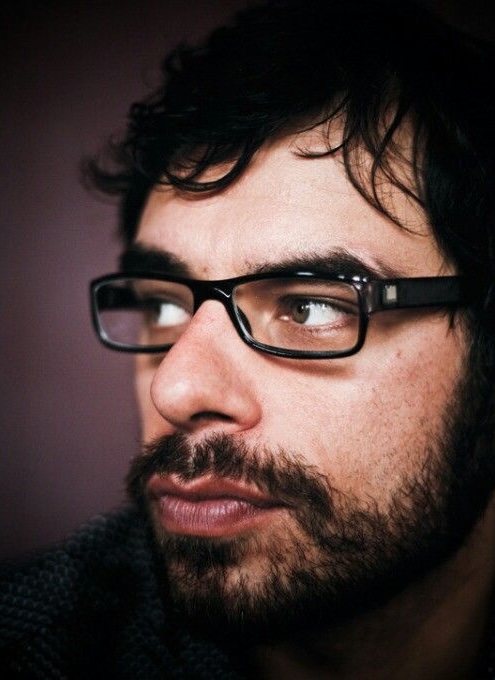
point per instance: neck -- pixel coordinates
(434, 629)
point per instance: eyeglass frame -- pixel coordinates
(374, 295)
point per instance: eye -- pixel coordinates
(314, 312)
(167, 314)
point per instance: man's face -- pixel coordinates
(365, 435)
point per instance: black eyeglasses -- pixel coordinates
(300, 314)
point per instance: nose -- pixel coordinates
(205, 381)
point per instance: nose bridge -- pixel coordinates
(198, 385)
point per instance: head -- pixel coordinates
(325, 136)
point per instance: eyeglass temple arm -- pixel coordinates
(418, 292)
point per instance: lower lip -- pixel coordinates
(212, 517)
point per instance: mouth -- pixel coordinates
(209, 507)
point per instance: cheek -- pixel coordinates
(371, 426)
(142, 381)
(152, 425)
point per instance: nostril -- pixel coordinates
(210, 415)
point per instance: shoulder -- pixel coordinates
(92, 608)
(105, 544)
(73, 595)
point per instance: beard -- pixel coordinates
(332, 557)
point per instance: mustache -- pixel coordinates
(284, 476)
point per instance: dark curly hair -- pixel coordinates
(286, 65)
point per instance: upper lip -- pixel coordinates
(208, 488)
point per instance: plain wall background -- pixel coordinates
(68, 72)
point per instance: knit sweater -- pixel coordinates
(90, 609)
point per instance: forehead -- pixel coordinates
(286, 206)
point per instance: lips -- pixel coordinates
(208, 507)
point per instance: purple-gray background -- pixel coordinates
(69, 71)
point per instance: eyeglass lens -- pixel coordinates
(310, 315)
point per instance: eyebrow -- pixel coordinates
(338, 261)
(139, 258)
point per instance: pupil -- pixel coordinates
(301, 312)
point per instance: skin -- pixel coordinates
(365, 421)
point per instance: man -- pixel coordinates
(306, 281)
